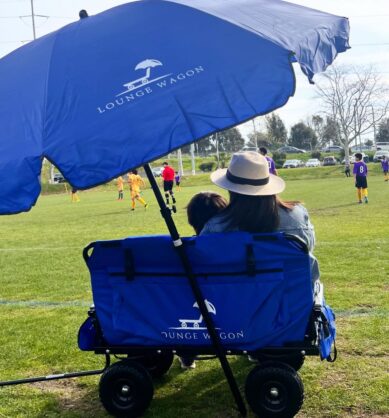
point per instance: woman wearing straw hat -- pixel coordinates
(254, 205)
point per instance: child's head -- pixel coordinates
(134, 171)
(263, 150)
(358, 156)
(202, 207)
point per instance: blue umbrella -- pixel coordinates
(122, 88)
(114, 91)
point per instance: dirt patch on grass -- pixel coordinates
(72, 395)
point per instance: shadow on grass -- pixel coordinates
(328, 208)
(203, 392)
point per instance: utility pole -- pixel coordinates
(192, 154)
(255, 135)
(33, 19)
(180, 165)
(33, 15)
(217, 150)
(374, 131)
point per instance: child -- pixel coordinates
(74, 195)
(270, 161)
(347, 169)
(202, 207)
(120, 182)
(385, 167)
(177, 179)
(360, 175)
(135, 181)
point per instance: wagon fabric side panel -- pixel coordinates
(256, 287)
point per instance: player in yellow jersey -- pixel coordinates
(74, 196)
(119, 182)
(135, 181)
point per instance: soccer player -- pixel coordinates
(360, 175)
(74, 196)
(120, 182)
(135, 181)
(168, 175)
(177, 179)
(270, 161)
(385, 167)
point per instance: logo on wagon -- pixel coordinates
(196, 323)
(194, 328)
(148, 82)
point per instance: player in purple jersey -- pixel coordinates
(385, 167)
(270, 161)
(360, 175)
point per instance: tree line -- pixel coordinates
(354, 102)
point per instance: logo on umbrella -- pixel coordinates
(147, 65)
(188, 324)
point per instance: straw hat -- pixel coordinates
(248, 174)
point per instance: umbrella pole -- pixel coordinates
(167, 215)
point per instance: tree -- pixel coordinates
(355, 99)
(230, 140)
(331, 132)
(316, 122)
(383, 131)
(302, 136)
(275, 130)
(258, 139)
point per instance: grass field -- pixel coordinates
(45, 294)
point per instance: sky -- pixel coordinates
(369, 39)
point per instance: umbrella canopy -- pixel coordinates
(116, 90)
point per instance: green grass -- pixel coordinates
(45, 294)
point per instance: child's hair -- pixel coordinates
(263, 150)
(202, 207)
(358, 156)
(134, 171)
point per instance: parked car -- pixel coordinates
(312, 162)
(293, 164)
(332, 148)
(329, 161)
(58, 178)
(365, 158)
(358, 148)
(157, 171)
(247, 148)
(287, 149)
(379, 154)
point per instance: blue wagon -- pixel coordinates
(257, 289)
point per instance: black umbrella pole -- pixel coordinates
(167, 215)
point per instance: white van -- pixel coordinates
(382, 146)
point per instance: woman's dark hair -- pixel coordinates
(255, 213)
(202, 207)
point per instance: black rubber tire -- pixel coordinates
(132, 377)
(157, 364)
(289, 397)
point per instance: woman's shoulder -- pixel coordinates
(298, 213)
(217, 223)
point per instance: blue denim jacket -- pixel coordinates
(294, 222)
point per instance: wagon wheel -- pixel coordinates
(274, 392)
(157, 364)
(126, 389)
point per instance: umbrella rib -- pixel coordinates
(186, 118)
(44, 113)
(227, 101)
